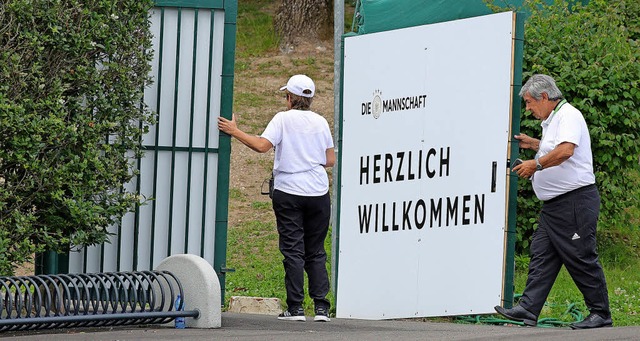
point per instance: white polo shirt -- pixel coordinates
(301, 139)
(564, 125)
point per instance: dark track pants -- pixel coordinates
(303, 223)
(566, 235)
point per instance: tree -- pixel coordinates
(303, 20)
(72, 76)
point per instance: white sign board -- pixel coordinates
(425, 132)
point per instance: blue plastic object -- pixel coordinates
(180, 322)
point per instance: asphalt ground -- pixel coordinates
(265, 327)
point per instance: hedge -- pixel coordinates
(593, 53)
(72, 76)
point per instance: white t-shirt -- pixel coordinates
(301, 139)
(565, 125)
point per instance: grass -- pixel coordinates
(253, 243)
(623, 286)
(255, 257)
(255, 34)
(253, 252)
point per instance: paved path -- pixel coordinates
(263, 327)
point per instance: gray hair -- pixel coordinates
(539, 84)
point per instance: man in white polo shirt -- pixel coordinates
(563, 178)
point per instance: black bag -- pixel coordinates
(269, 190)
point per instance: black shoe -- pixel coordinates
(592, 321)
(296, 314)
(518, 314)
(322, 315)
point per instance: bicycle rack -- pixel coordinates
(90, 300)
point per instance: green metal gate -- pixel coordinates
(185, 169)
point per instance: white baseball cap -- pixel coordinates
(300, 85)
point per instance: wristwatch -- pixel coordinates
(538, 165)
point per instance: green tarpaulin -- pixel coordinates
(383, 15)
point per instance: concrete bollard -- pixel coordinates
(201, 288)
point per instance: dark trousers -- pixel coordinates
(566, 235)
(303, 223)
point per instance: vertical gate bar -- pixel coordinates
(206, 136)
(84, 259)
(102, 257)
(224, 156)
(192, 109)
(102, 246)
(157, 138)
(512, 179)
(119, 248)
(174, 133)
(338, 31)
(136, 222)
(335, 227)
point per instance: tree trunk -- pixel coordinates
(303, 20)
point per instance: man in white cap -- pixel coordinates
(301, 202)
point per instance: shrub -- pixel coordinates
(592, 51)
(72, 76)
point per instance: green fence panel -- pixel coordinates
(185, 169)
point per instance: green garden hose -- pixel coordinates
(546, 322)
